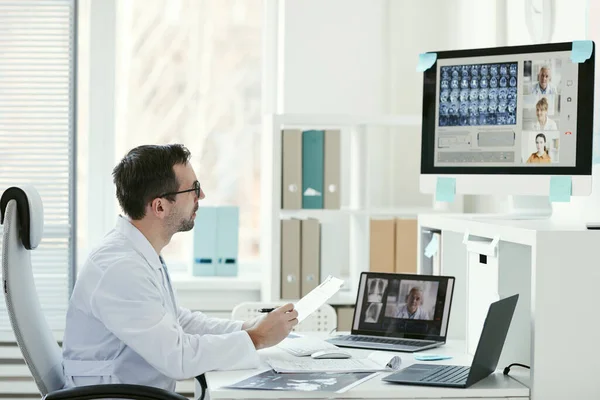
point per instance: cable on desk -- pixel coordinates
(507, 369)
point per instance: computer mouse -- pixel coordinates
(332, 353)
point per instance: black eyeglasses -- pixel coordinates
(195, 188)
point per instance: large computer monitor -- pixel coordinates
(504, 120)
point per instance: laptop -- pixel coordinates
(484, 363)
(399, 312)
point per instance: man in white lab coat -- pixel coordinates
(123, 323)
(412, 308)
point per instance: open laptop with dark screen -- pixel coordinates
(399, 312)
(485, 361)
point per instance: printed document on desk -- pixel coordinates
(375, 362)
(317, 297)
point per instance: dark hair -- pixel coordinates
(145, 173)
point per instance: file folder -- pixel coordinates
(406, 246)
(290, 258)
(205, 242)
(310, 255)
(332, 167)
(382, 244)
(227, 234)
(312, 169)
(291, 164)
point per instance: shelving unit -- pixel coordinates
(356, 184)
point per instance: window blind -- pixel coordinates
(37, 135)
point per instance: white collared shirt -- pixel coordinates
(404, 313)
(550, 125)
(124, 326)
(537, 89)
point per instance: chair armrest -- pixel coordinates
(118, 390)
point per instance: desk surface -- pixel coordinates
(494, 386)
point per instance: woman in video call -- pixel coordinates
(541, 155)
(543, 123)
(412, 308)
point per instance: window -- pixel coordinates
(190, 72)
(37, 135)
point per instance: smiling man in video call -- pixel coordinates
(412, 308)
(543, 85)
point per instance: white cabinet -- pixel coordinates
(482, 284)
(552, 266)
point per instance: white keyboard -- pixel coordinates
(304, 346)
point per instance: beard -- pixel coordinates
(186, 225)
(183, 224)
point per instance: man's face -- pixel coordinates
(544, 78)
(183, 212)
(414, 301)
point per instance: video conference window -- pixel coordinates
(404, 306)
(413, 300)
(541, 111)
(501, 111)
(478, 94)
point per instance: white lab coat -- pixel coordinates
(537, 89)
(419, 314)
(124, 326)
(549, 126)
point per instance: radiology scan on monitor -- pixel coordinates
(478, 94)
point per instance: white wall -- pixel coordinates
(333, 58)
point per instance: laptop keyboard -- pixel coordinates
(448, 374)
(398, 342)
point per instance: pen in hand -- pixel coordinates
(266, 310)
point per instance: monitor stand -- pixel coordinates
(528, 207)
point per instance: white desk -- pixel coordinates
(496, 386)
(553, 265)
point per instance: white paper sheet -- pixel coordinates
(327, 365)
(317, 297)
(375, 362)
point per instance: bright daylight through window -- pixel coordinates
(189, 72)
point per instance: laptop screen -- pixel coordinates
(403, 305)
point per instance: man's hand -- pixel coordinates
(252, 322)
(273, 327)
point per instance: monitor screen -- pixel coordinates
(403, 305)
(509, 110)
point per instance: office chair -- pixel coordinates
(322, 320)
(22, 214)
